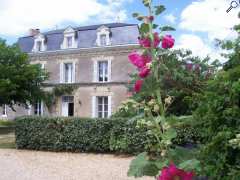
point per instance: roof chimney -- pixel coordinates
(34, 32)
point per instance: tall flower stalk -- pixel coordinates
(150, 64)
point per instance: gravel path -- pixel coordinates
(34, 165)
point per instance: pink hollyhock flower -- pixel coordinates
(144, 72)
(138, 86)
(189, 66)
(173, 173)
(167, 42)
(139, 60)
(146, 42)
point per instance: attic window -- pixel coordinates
(69, 39)
(103, 36)
(103, 40)
(39, 43)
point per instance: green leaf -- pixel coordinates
(146, 3)
(169, 134)
(155, 26)
(159, 9)
(191, 165)
(144, 28)
(138, 16)
(135, 15)
(141, 166)
(180, 154)
(167, 28)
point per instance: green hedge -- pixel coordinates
(81, 135)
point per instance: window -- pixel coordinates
(38, 45)
(38, 108)
(103, 71)
(68, 72)
(4, 110)
(69, 41)
(103, 36)
(67, 106)
(102, 107)
(69, 38)
(103, 40)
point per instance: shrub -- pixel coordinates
(83, 135)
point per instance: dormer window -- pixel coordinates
(103, 40)
(39, 43)
(103, 36)
(69, 39)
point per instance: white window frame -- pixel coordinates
(69, 33)
(105, 68)
(103, 30)
(4, 110)
(39, 109)
(96, 71)
(62, 71)
(39, 38)
(95, 105)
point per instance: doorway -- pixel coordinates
(67, 106)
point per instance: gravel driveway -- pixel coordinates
(34, 165)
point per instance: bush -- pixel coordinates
(117, 135)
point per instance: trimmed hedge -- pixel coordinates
(117, 135)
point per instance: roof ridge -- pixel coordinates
(85, 28)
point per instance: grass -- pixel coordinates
(5, 123)
(7, 141)
(7, 136)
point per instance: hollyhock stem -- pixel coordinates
(155, 64)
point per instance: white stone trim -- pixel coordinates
(95, 66)
(39, 38)
(103, 30)
(61, 72)
(69, 32)
(94, 105)
(109, 106)
(4, 109)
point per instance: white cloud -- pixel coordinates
(17, 16)
(170, 18)
(198, 47)
(210, 16)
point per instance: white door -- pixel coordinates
(65, 109)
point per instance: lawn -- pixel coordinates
(7, 137)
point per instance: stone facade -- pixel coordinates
(86, 87)
(92, 59)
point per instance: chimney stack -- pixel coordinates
(34, 32)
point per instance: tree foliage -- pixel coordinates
(20, 81)
(218, 117)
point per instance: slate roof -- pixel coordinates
(121, 33)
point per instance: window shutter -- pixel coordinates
(74, 72)
(109, 106)
(95, 71)
(61, 73)
(41, 108)
(93, 106)
(109, 70)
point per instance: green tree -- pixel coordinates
(218, 117)
(20, 81)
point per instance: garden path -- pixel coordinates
(35, 165)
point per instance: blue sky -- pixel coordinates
(198, 22)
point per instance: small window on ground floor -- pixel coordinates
(38, 108)
(102, 107)
(4, 110)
